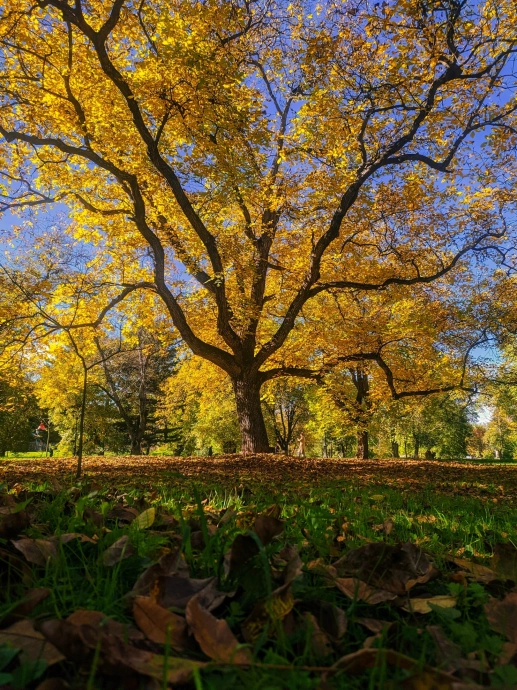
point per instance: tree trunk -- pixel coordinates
(395, 449)
(81, 425)
(136, 444)
(416, 444)
(251, 420)
(362, 445)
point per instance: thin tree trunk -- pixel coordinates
(81, 426)
(362, 445)
(251, 420)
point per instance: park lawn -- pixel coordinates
(258, 572)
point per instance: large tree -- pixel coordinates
(260, 157)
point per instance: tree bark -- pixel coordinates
(251, 419)
(362, 445)
(395, 449)
(136, 445)
(81, 424)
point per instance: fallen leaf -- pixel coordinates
(356, 589)
(395, 568)
(504, 561)
(267, 528)
(119, 550)
(33, 644)
(502, 616)
(293, 564)
(97, 619)
(37, 551)
(448, 654)
(424, 604)
(158, 624)
(373, 657)
(320, 641)
(330, 618)
(53, 684)
(145, 519)
(123, 513)
(29, 602)
(243, 549)
(177, 591)
(214, 636)
(479, 572)
(170, 564)
(13, 523)
(116, 657)
(374, 625)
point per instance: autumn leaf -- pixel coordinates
(145, 519)
(356, 589)
(159, 624)
(119, 550)
(214, 636)
(22, 635)
(502, 616)
(425, 604)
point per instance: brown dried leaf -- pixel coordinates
(177, 591)
(374, 625)
(479, 572)
(119, 550)
(330, 618)
(158, 624)
(97, 619)
(267, 528)
(170, 564)
(320, 641)
(372, 657)
(356, 589)
(29, 602)
(244, 548)
(448, 653)
(395, 568)
(504, 561)
(13, 523)
(117, 658)
(214, 636)
(33, 644)
(421, 604)
(53, 684)
(502, 616)
(37, 551)
(123, 513)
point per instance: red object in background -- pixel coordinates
(42, 427)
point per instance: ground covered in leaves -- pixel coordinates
(258, 573)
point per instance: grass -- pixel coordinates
(323, 520)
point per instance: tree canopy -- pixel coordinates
(269, 168)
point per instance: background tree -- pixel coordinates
(287, 411)
(264, 147)
(131, 380)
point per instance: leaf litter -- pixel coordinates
(201, 604)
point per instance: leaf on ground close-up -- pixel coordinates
(159, 624)
(22, 635)
(118, 551)
(214, 636)
(502, 616)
